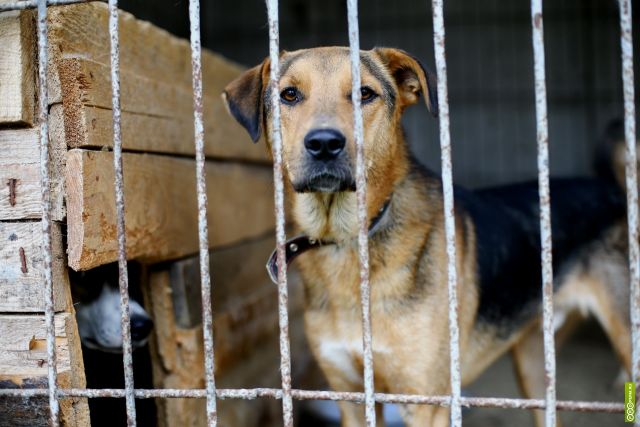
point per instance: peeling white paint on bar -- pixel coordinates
(123, 275)
(450, 228)
(43, 118)
(631, 173)
(276, 139)
(363, 228)
(31, 4)
(286, 393)
(357, 397)
(545, 211)
(203, 228)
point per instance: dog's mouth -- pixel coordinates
(93, 344)
(326, 181)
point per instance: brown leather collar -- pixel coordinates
(301, 244)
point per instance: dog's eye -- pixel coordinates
(367, 94)
(290, 95)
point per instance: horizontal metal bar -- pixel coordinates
(32, 4)
(357, 397)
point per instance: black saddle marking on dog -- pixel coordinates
(508, 238)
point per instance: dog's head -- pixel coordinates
(97, 305)
(317, 116)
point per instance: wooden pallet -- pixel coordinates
(159, 176)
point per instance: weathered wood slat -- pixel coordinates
(21, 268)
(161, 207)
(157, 116)
(245, 332)
(20, 175)
(23, 364)
(17, 77)
(157, 97)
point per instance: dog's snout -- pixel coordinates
(324, 144)
(140, 327)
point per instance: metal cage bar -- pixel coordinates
(449, 210)
(286, 393)
(43, 118)
(278, 179)
(31, 4)
(356, 397)
(203, 228)
(363, 228)
(631, 175)
(123, 276)
(542, 128)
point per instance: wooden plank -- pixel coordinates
(17, 76)
(156, 87)
(157, 116)
(21, 268)
(246, 339)
(23, 364)
(245, 303)
(20, 195)
(161, 211)
(237, 272)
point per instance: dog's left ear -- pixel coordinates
(244, 97)
(411, 77)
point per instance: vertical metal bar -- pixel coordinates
(363, 229)
(123, 277)
(43, 97)
(449, 210)
(276, 140)
(631, 171)
(203, 229)
(545, 211)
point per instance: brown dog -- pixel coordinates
(497, 237)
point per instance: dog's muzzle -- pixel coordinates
(326, 166)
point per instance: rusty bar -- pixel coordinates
(631, 173)
(203, 228)
(23, 261)
(278, 180)
(12, 184)
(22, 5)
(123, 277)
(363, 228)
(356, 397)
(450, 227)
(43, 118)
(545, 210)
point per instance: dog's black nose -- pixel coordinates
(324, 144)
(140, 327)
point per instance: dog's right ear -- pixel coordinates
(243, 98)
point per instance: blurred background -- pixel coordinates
(490, 74)
(490, 69)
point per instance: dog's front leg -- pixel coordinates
(425, 415)
(352, 415)
(343, 375)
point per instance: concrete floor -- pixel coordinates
(587, 369)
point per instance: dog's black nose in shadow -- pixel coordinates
(141, 327)
(324, 144)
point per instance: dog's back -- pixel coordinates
(508, 244)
